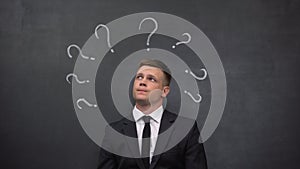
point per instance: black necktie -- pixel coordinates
(146, 142)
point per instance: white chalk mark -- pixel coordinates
(76, 78)
(183, 42)
(195, 100)
(107, 37)
(196, 77)
(154, 30)
(86, 102)
(80, 52)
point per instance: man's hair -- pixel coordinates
(158, 64)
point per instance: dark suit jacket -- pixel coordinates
(187, 154)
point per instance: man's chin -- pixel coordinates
(142, 102)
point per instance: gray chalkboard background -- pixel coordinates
(258, 43)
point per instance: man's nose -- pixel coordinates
(143, 84)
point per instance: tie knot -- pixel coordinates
(146, 119)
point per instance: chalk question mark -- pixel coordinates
(80, 52)
(86, 102)
(155, 29)
(107, 37)
(76, 78)
(183, 42)
(195, 100)
(196, 77)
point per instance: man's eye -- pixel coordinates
(152, 79)
(139, 77)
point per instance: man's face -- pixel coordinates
(148, 85)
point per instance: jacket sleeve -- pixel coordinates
(106, 159)
(195, 154)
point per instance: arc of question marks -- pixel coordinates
(76, 78)
(107, 37)
(154, 30)
(196, 77)
(86, 102)
(192, 97)
(183, 42)
(80, 52)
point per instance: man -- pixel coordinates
(146, 124)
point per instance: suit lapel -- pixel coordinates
(163, 139)
(129, 129)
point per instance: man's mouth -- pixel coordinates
(141, 91)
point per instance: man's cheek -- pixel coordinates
(155, 96)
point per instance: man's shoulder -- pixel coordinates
(166, 115)
(179, 117)
(119, 123)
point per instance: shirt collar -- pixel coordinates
(155, 115)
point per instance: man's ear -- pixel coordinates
(165, 91)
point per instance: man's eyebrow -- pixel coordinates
(151, 76)
(148, 75)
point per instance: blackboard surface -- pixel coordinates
(258, 43)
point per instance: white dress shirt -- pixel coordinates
(154, 124)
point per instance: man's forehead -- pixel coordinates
(146, 68)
